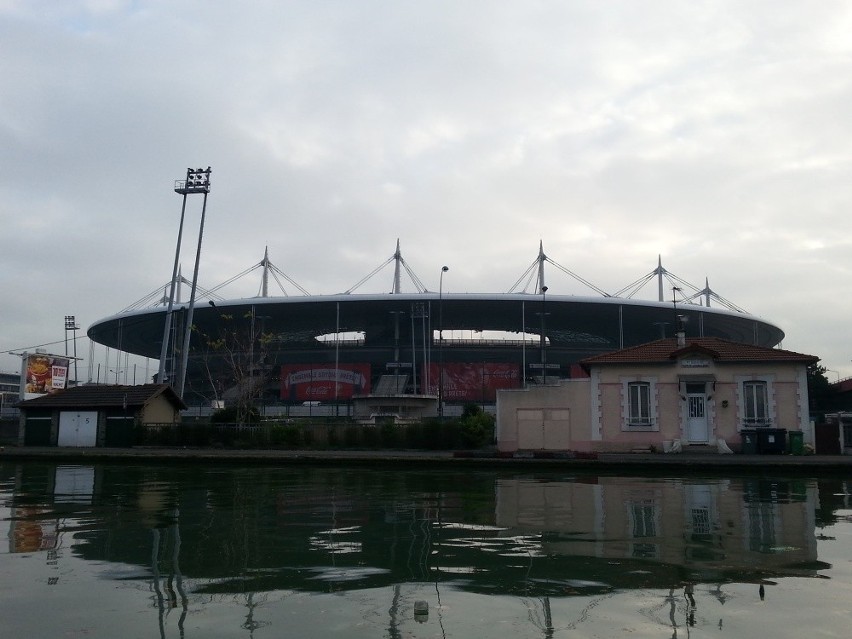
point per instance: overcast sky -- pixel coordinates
(717, 134)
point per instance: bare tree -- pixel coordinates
(237, 364)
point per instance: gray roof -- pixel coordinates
(97, 396)
(585, 324)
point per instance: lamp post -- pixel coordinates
(543, 338)
(444, 269)
(675, 291)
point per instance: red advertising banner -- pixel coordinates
(316, 382)
(473, 382)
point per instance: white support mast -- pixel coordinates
(397, 256)
(264, 288)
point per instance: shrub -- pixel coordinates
(285, 435)
(231, 415)
(389, 435)
(370, 436)
(350, 437)
(413, 436)
(333, 439)
(476, 427)
(436, 434)
(292, 436)
(476, 431)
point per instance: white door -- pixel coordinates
(78, 429)
(530, 429)
(544, 429)
(696, 420)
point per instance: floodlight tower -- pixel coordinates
(197, 181)
(71, 325)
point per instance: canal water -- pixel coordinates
(257, 551)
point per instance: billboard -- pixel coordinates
(324, 382)
(472, 381)
(42, 374)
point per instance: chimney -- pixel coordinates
(681, 332)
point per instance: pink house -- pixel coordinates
(665, 395)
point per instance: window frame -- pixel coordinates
(639, 404)
(755, 394)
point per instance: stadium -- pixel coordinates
(328, 350)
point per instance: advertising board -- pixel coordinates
(324, 382)
(42, 374)
(473, 381)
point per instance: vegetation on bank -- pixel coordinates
(473, 430)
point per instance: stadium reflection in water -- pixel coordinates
(225, 551)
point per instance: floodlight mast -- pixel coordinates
(71, 325)
(197, 181)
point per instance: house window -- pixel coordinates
(755, 403)
(639, 403)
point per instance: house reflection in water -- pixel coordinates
(740, 529)
(253, 547)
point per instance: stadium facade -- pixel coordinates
(329, 349)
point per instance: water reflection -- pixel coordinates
(641, 533)
(188, 538)
(668, 531)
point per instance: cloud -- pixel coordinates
(713, 134)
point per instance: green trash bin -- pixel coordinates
(796, 439)
(749, 441)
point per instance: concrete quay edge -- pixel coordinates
(601, 461)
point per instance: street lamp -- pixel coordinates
(444, 269)
(543, 338)
(675, 291)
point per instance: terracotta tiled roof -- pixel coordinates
(665, 351)
(97, 396)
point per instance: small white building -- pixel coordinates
(88, 416)
(673, 392)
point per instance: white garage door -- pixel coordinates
(544, 429)
(78, 428)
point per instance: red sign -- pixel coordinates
(473, 382)
(324, 382)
